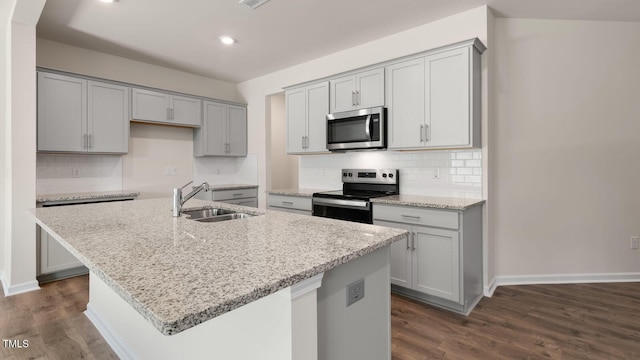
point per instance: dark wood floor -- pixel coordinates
(589, 321)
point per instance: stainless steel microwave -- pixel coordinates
(357, 129)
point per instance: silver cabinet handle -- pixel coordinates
(409, 239)
(358, 97)
(240, 194)
(426, 133)
(303, 142)
(306, 142)
(289, 203)
(353, 98)
(413, 241)
(410, 217)
(421, 132)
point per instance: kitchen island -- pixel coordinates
(272, 286)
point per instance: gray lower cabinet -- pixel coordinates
(223, 131)
(441, 260)
(79, 115)
(243, 197)
(288, 203)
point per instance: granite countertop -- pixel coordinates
(96, 195)
(221, 187)
(179, 273)
(433, 202)
(295, 192)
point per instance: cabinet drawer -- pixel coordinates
(250, 202)
(418, 216)
(289, 202)
(220, 195)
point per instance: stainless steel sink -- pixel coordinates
(206, 213)
(215, 215)
(225, 217)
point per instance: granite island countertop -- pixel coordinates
(178, 273)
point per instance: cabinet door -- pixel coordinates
(405, 104)
(62, 113)
(436, 262)
(186, 111)
(237, 130)
(108, 118)
(447, 105)
(400, 266)
(317, 110)
(296, 120)
(150, 105)
(343, 94)
(370, 88)
(53, 256)
(214, 128)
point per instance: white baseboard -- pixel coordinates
(117, 344)
(562, 279)
(10, 290)
(490, 288)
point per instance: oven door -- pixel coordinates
(350, 210)
(359, 129)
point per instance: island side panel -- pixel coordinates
(363, 329)
(258, 330)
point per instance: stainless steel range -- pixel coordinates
(359, 186)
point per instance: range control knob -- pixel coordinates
(390, 176)
(384, 175)
(350, 174)
(344, 174)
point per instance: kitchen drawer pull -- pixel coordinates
(353, 98)
(426, 133)
(237, 194)
(303, 142)
(358, 98)
(421, 132)
(410, 217)
(413, 241)
(289, 203)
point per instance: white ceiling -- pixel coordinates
(183, 35)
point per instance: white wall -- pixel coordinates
(282, 169)
(19, 148)
(463, 26)
(565, 165)
(59, 56)
(6, 9)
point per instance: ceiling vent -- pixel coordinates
(253, 3)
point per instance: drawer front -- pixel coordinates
(412, 215)
(219, 195)
(289, 202)
(251, 202)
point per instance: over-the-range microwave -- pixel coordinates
(357, 129)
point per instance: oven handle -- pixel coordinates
(349, 204)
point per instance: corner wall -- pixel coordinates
(565, 165)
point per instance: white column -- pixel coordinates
(304, 318)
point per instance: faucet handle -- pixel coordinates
(187, 184)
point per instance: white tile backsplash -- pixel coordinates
(456, 173)
(223, 170)
(55, 173)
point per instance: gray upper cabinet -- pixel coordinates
(78, 115)
(307, 108)
(159, 107)
(361, 90)
(223, 131)
(434, 101)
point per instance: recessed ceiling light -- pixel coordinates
(108, 1)
(253, 3)
(227, 40)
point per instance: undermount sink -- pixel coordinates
(206, 213)
(225, 217)
(215, 215)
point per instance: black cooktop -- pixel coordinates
(353, 195)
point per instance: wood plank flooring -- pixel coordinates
(586, 321)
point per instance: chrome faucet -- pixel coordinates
(179, 200)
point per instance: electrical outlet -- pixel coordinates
(75, 172)
(355, 292)
(436, 173)
(170, 171)
(634, 242)
(174, 171)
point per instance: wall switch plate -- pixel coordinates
(170, 171)
(75, 172)
(634, 242)
(355, 292)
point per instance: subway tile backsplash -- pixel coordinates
(65, 173)
(451, 173)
